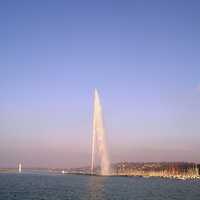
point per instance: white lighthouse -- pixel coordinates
(20, 168)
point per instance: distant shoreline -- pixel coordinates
(169, 170)
(140, 176)
(98, 175)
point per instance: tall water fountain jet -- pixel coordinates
(99, 139)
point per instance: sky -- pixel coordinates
(142, 56)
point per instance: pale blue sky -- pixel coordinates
(143, 56)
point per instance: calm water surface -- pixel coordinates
(60, 187)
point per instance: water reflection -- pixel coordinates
(97, 188)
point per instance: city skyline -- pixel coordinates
(142, 57)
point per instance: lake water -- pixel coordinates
(41, 186)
